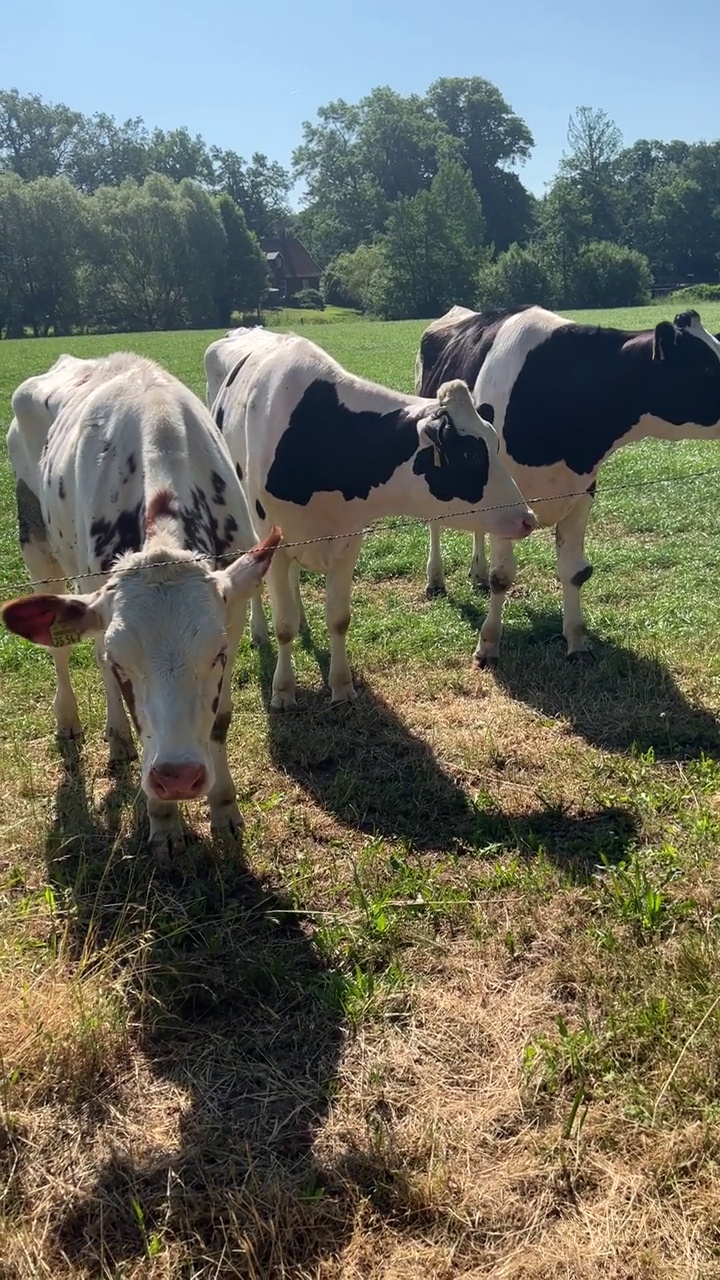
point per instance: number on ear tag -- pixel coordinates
(62, 635)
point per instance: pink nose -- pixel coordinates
(178, 781)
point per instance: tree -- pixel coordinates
(351, 279)
(36, 137)
(492, 138)
(244, 277)
(346, 206)
(593, 169)
(431, 248)
(519, 277)
(564, 226)
(107, 153)
(609, 275)
(42, 228)
(261, 189)
(155, 253)
(177, 155)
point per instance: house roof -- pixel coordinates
(297, 263)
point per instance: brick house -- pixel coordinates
(290, 266)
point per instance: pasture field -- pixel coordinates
(453, 1009)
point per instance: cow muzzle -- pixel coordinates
(178, 781)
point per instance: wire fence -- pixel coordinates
(382, 525)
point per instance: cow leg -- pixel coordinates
(41, 564)
(338, 588)
(294, 572)
(479, 568)
(166, 834)
(435, 573)
(259, 635)
(574, 570)
(225, 817)
(286, 621)
(502, 576)
(117, 727)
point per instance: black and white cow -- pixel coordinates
(327, 453)
(124, 481)
(563, 397)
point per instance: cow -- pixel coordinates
(326, 453)
(125, 485)
(563, 397)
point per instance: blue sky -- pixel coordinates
(245, 75)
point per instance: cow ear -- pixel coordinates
(438, 432)
(244, 574)
(53, 621)
(664, 339)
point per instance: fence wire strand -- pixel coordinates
(382, 526)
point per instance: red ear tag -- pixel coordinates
(61, 635)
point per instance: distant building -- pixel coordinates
(290, 266)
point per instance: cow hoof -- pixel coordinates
(165, 845)
(259, 639)
(480, 584)
(122, 750)
(344, 697)
(435, 589)
(283, 702)
(485, 661)
(226, 823)
(584, 656)
(72, 732)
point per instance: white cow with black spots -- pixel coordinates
(325, 453)
(563, 397)
(125, 485)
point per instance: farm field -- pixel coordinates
(453, 1009)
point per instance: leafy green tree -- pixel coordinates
(610, 275)
(350, 280)
(36, 137)
(431, 248)
(518, 277)
(244, 277)
(492, 138)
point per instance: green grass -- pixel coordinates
(454, 1007)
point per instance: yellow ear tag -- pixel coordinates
(436, 456)
(62, 635)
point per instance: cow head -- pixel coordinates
(169, 624)
(463, 463)
(689, 360)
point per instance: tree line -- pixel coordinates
(411, 203)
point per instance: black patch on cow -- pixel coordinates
(592, 488)
(465, 467)
(61, 489)
(31, 526)
(582, 575)
(216, 699)
(219, 486)
(260, 508)
(239, 471)
(202, 528)
(330, 448)
(128, 695)
(487, 412)
(219, 731)
(219, 418)
(131, 464)
(114, 538)
(235, 370)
